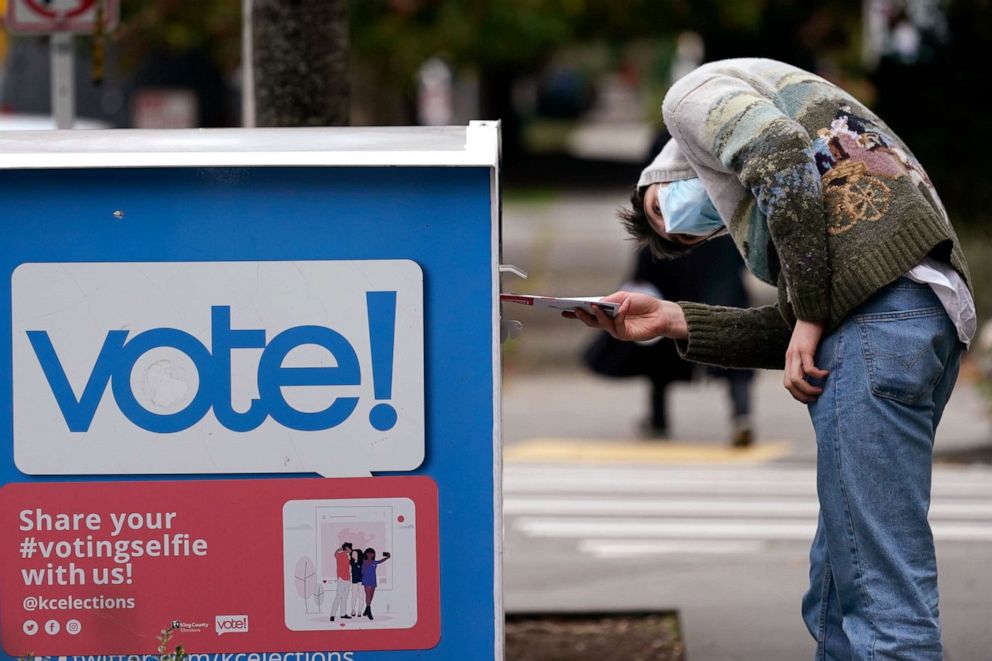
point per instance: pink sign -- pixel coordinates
(228, 565)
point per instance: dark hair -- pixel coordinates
(370, 550)
(635, 220)
(348, 545)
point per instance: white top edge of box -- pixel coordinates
(474, 145)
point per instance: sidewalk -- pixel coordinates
(573, 406)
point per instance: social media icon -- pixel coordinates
(73, 627)
(30, 627)
(52, 627)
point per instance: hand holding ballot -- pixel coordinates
(565, 304)
(638, 317)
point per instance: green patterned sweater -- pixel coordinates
(823, 200)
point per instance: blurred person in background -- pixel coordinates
(709, 274)
(874, 310)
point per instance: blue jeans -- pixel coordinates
(873, 572)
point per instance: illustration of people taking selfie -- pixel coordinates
(357, 589)
(369, 579)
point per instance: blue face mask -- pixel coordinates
(687, 208)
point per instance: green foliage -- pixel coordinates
(488, 32)
(930, 105)
(495, 34)
(181, 25)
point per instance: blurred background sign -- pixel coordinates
(165, 109)
(46, 16)
(60, 19)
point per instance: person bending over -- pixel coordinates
(874, 309)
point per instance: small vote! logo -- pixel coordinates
(230, 624)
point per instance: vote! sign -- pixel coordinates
(218, 367)
(46, 16)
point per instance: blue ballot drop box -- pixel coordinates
(250, 394)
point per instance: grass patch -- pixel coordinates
(599, 636)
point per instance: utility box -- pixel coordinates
(250, 396)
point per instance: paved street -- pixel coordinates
(724, 545)
(598, 519)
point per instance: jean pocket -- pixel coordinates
(902, 352)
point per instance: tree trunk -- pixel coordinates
(300, 60)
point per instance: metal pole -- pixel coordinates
(247, 67)
(63, 80)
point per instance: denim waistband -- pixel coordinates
(899, 295)
(903, 282)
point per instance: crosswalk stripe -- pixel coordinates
(762, 473)
(714, 487)
(633, 548)
(712, 483)
(973, 478)
(759, 529)
(644, 528)
(641, 511)
(651, 485)
(710, 508)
